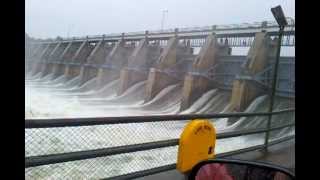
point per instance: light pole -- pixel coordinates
(69, 29)
(163, 15)
(282, 22)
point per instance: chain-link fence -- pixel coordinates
(48, 141)
(103, 167)
(57, 140)
(68, 139)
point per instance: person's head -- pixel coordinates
(213, 172)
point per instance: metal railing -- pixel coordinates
(173, 166)
(40, 160)
(246, 29)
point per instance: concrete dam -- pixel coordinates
(180, 71)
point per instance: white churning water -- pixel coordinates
(61, 98)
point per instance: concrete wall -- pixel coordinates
(54, 57)
(106, 75)
(118, 57)
(79, 58)
(157, 80)
(174, 52)
(83, 52)
(245, 90)
(230, 66)
(198, 82)
(46, 66)
(70, 51)
(99, 53)
(57, 54)
(30, 58)
(37, 66)
(129, 77)
(243, 93)
(114, 62)
(36, 51)
(193, 87)
(33, 57)
(95, 59)
(173, 58)
(139, 62)
(51, 48)
(66, 56)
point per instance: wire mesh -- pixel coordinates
(115, 165)
(68, 139)
(104, 167)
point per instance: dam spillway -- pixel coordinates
(149, 76)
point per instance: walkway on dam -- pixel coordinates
(282, 154)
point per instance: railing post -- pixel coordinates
(122, 36)
(176, 31)
(273, 88)
(213, 29)
(146, 36)
(264, 25)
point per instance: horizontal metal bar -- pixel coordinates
(81, 155)
(169, 167)
(240, 151)
(33, 161)
(278, 141)
(250, 131)
(144, 172)
(253, 148)
(69, 122)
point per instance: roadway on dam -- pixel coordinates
(281, 154)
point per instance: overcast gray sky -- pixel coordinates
(51, 18)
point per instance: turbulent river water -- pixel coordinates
(62, 98)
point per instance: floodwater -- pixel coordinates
(62, 98)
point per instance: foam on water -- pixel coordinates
(132, 96)
(216, 104)
(109, 91)
(46, 77)
(36, 77)
(200, 102)
(168, 100)
(59, 80)
(42, 103)
(250, 108)
(84, 89)
(162, 93)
